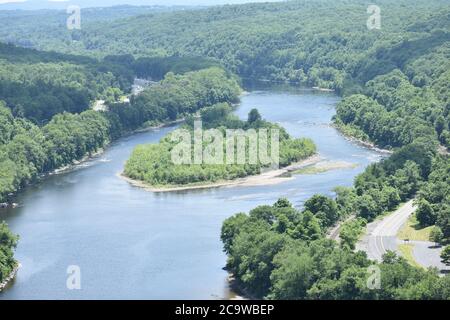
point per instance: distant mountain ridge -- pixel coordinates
(161, 4)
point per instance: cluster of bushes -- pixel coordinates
(8, 242)
(154, 165)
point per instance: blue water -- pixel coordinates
(134, 244)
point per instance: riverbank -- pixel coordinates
(269, 177)
(323, 89)
(364, 143)
(9, 278)
(237, 289)
(89, 157)
(102, 150)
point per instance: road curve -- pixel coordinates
(381, 235)
(390, 226)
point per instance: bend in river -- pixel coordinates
(133, 244)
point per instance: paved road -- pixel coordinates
(389, 226)
(382, 234)
(428, 255)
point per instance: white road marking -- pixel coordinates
(389, 227)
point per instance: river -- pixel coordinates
(134, 244)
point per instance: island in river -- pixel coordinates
(153, 166)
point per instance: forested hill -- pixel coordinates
(50, 25)
(318, 43)
(37, 85)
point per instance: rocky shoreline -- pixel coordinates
(366, 144)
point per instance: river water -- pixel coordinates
(134, 244)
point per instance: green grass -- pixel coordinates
(314, 169)
(310, 170)
(413, 231)
(406, 251)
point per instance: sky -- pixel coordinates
(58, 4)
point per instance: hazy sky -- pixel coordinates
(39, 4)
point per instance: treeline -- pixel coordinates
(278, 252)
(178, 95)
(157, 67)
(28, 151)
(154, 165)
(38, 85)
(317, 43)
(8, 242)
(434, 200)
(393, 112)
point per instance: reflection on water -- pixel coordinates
(133, 244)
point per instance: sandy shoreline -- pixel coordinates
(270, 177)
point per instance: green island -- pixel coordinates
(153, 164)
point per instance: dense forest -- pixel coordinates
(277, 41)
(176, 96)
(154, 165)
(434, 200)
(45, 117)
(38, 85)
